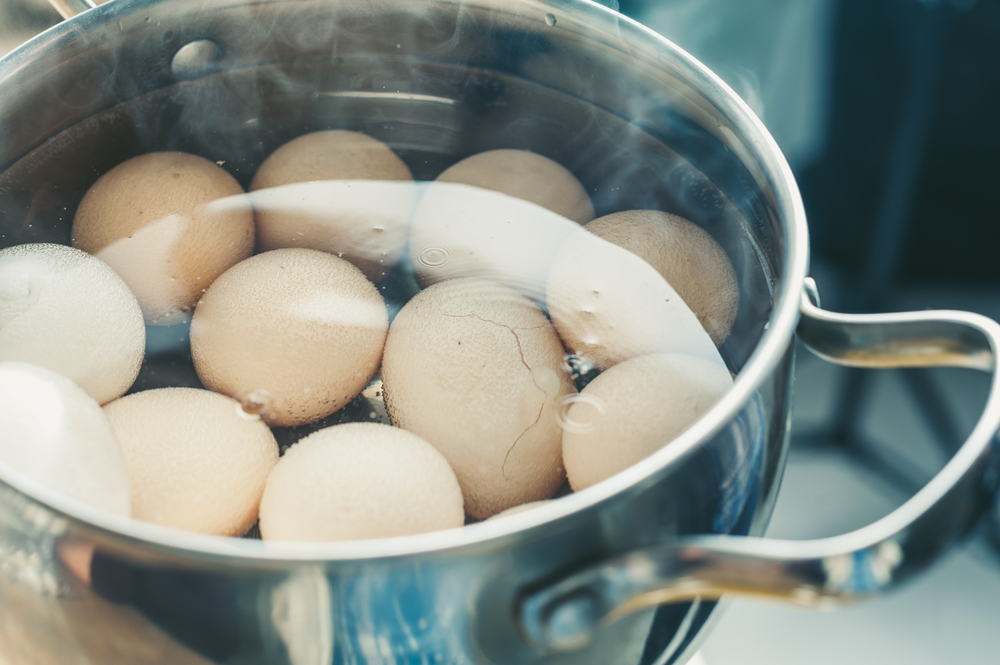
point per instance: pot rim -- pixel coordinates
(121, 532)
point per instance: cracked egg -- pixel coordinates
(476, 369)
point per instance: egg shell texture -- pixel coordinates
(688, 258)
(525, 175)
(635, 408)
(300, 327)
(610, 305)
(358, 481)
(366, 223)
(53, 432)
(65, 310)
(476, 369)
(168, 223)
(195, 462)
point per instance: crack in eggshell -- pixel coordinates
(477, 394)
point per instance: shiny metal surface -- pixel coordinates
(625, 110)
(823, 572)
(70, 8)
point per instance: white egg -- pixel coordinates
(65, 310)
(53, 432)
(632, 410)
(476, 369)
(360, 481)
(610, 305)
(196, 461)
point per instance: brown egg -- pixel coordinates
(525, 175)
(465, 231)
(610, 305)
(499, 215)
(298, 332)
(169, 223)
(476, 369)
(337, 191)
(66, 310)
(359, 481)
(687, 257)
(195, 460)
(634, 409)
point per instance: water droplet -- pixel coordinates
(547, 381)
(550, 20)
(433, 257)
(582, 423)
(254, 403)
(373, 415)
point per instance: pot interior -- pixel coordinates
(436, 82)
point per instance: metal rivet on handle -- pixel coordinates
(196, 59)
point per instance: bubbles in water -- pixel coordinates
(433, 257)
(254, 404)
(585, 418)
(550, 20)
(576, 365)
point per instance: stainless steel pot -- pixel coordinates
(577, 581)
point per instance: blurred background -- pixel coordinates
(885, 110)
(887, 113)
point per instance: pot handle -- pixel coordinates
(70, 8)
(817, 573)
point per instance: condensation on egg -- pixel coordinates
(65, 310)
(359, 481)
